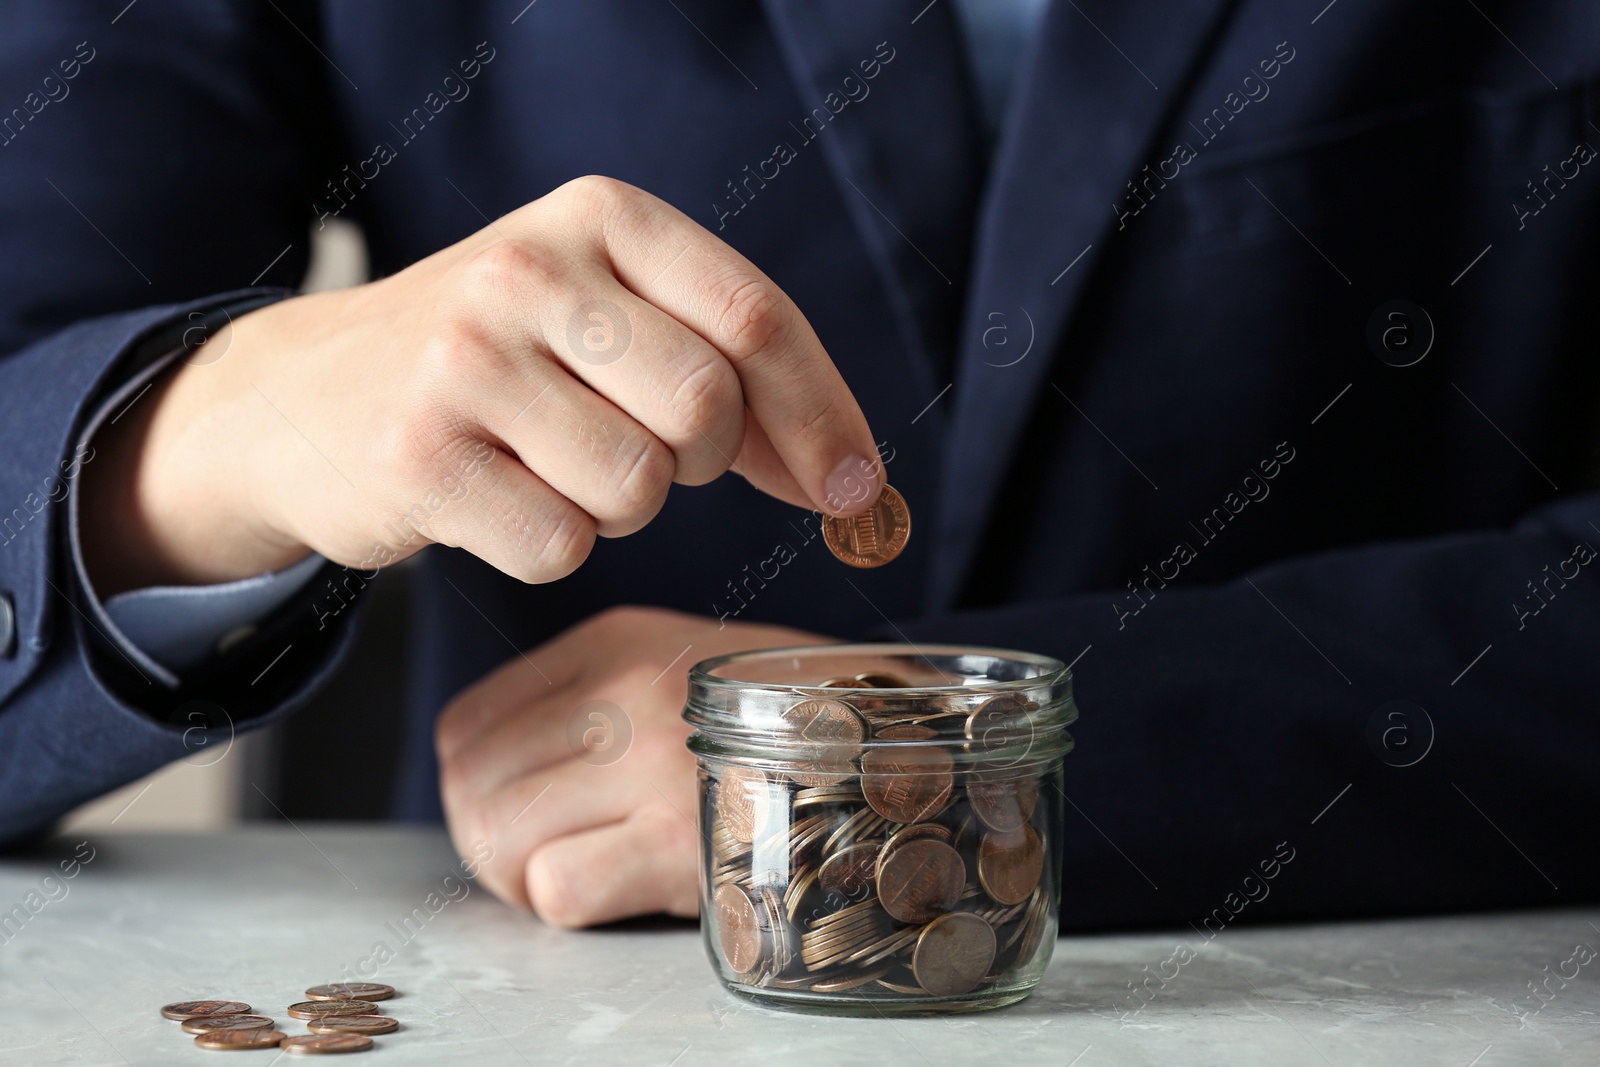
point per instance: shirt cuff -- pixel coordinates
(170, 630)
(180, 627)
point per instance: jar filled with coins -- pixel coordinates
(880, 824)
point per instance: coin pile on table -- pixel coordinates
(889, 871)
(341, 1016)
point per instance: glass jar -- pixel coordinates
(880, 824)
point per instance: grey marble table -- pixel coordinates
(258, 915)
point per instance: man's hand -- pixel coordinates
(518, 394)
(570, 763)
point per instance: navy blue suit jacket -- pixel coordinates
(1137, 370)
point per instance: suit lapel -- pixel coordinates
(908, 157)
(1082, 123)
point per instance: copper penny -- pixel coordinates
(351, 991)
(839, 985)
(903, 987)
(315, 1009)
(1000, 722)
(905, 731)
(864, 825)
(937, 831)
(920, 880)
(825, 947)
(836, 730)
(782, 936)
(825, 722)
(743, 802)
(202, 1024)
(1010, 864)
(738, 928)
(845, 915)
(920, 829)
(909, 783)
(953, 954)
(849, 872)
(835, 794)
(234, 1040)
(797, 895)
(1033, 927)
(189, 1009)
(1004, 805)
(882, 680)
(353, 1024)
(874, 537)
(326, 1044)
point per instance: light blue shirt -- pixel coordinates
(995, 33)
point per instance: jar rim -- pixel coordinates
(735, 716)
(1052, 670)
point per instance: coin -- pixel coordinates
(915, 830)
(776, 924)
(921, 879)
(825, 722)
(326, 1044)
(1000, 914)
(315, 1009)
(836, 729)
(353, 1024)
(839, 985)
(865, 823)
(882, 680)
(907, 783)
(846, 914)
(886, 949)
(840, 794)
(189, 1009)
(799, 894)
(738, 928)
(999, 721)
(825, 947)
(232, 1040)
(742, 802)
(806, 835)
(351, 991)
(953, 954)
(725, 846)
(1034, 923)
(904, 731)
(849, 872)
(732, 872)
(1010, 864)
(903, 987)
(201, 1024)
(874, 537)
(919, 829)
(1004, 805)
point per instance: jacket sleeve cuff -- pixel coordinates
(166, 631)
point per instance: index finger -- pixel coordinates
(790, 385)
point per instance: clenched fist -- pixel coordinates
(570, 762)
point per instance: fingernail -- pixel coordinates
(852, 486)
